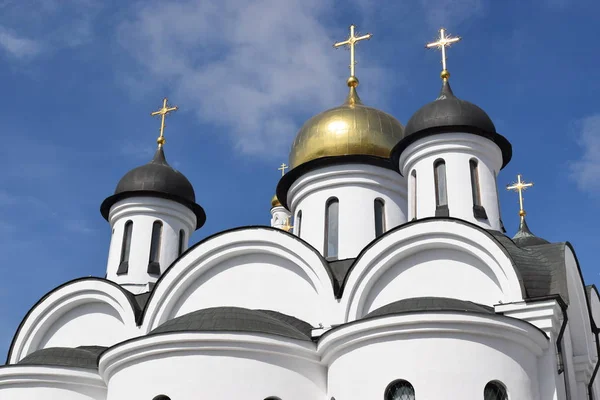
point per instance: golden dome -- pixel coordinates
(349, 129)
(275, 201)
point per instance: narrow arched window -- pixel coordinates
(495, 391)
(153, 265)
(399, 390)
(125, 248)
(331, 228)
(379, 217)
(298, 223)
(441, 195)
(475, 189)
(181, 241)
(413, 185)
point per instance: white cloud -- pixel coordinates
(18, 47)
(28, 29)
(586, 170)
(78, 226)
(450, 13)
(252, 67)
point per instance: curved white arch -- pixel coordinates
(432, 241)
(250, 247)
(582, 337)
(92, 296)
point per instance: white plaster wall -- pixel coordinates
(456, 149)
(546, 315)
(257, 268)
(91, 324)
(255, 282)
(280, 217)
(440, 364)
(143, 212)
(215, 376)
(356, 186)
(439, 273)
(213, 369)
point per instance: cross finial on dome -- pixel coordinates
(520, 186)
(282, 168)
(163, 113)
(443, 42)
(351, 43)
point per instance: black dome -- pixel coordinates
(157, 178)
(235, 319)
(448, 113)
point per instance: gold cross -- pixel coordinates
(287, 227)
(282, 168)
(163, 113)
(520, 186)
(443, 42)
(351, 42)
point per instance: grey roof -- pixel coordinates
(235, 319)
(141, 299)
(448, 113)
(80, 357)
(542, 267)
(430, 304)
(339, 269)
(525, 238)
(157, 178)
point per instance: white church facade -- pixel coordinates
(385, 274)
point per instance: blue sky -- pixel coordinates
(80, 78)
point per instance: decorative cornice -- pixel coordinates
(152, 206)
(448, 143)
(398, 327)
(332, 176)
(24, 375)
(140, 349)
(545, 314)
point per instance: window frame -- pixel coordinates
(181, 242)
(328, 226)
(298, 223)
(413, 184)
(478, 209)
(155, 245)
(496, 384)
(440, 181)
(125, 248)
(381, 218)
(387, 393)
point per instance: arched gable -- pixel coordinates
(431, 257)
(88, 311)
(251, 267)
(594, 301)
(580, 316)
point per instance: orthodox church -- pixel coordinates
(385, 273)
